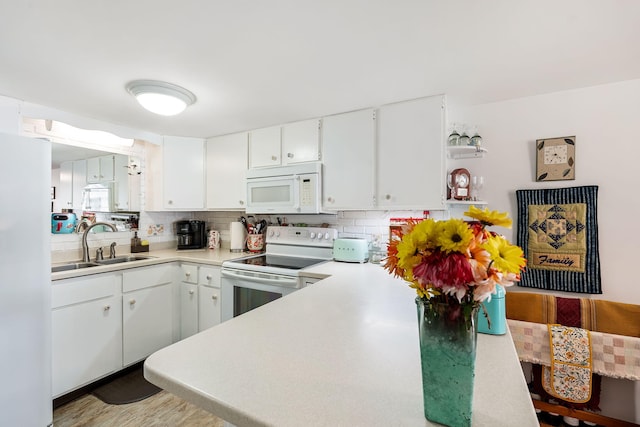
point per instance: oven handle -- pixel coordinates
(282, 281)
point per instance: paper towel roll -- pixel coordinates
(238, 234)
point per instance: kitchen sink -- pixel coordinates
(72, 266)
(120, 259)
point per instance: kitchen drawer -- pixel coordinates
(86, 288)
(189, 273)
(209, 276)
(146, 277)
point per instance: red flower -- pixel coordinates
(445, 270)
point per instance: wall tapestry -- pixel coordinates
(558, 231)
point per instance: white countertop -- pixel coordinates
(200, 256)
(341, 352)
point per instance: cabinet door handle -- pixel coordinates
(241, 202)
(107, 307)
(290, 155)
(388, 197)
(170, 202)
(330, 199)
(208, 277)
(191, 292)
(187, 273)
(214, 297)
(274, 158)
(132, 301)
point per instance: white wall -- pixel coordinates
(604, 120)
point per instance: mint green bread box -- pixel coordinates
(497, 313)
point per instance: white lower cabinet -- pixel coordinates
(188, 310)
(147, 311)
(188, 284)
(86, 330)
(208, 297)
(102, 323)
(199, 298)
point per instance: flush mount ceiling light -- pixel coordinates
(161, 98)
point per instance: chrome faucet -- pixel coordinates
(85, 246)
(112, 250)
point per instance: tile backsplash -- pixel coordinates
(370, 225)
(159, 229)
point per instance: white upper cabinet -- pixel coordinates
(284, 145)
(64, 193)
(127, 183)
(73, 179)
(348, 153)
(79, 182)
(183, 173)
(226, 167)
(100, 169)
(264, 147)
(410, 172)
(301, 142)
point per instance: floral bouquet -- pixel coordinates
(456, 262)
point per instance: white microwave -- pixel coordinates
(285, 190)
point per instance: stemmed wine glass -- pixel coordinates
(477, 182)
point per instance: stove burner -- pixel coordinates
(278, 261)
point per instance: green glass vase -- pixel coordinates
(448, 337)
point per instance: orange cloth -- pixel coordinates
(596, 315)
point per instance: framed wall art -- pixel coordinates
(556, 159)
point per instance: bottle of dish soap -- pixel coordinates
(135, 242)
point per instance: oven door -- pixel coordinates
(242, 291)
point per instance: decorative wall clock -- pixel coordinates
(459, 181)
(556, 159)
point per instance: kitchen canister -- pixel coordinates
(214, 239)
(497, 314)
(238, 234)
(255, 242)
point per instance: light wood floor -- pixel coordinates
(160, 410)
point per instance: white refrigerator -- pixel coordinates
(25, 281)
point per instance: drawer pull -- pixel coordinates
(132, 301)
(214, 297)
(107, 307)
(208, 277)
(191, 292)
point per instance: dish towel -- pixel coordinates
(615, 356)
(569, 377)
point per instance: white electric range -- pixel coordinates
(252, 281)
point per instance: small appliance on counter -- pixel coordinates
(238, 233)
(191, 234)
(496, 311)
(63, 223)
(350, 249)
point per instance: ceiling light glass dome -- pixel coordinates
(161, 98)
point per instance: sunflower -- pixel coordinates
(455, 236)
(425, 233)
(487, 217)
(505, 257)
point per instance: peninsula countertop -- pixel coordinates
(341, 352)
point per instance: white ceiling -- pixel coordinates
(258, 63)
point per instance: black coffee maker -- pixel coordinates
(191, 234)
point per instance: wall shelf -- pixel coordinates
(465, 151)
(466, 202)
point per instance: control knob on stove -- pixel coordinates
(312, 235)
